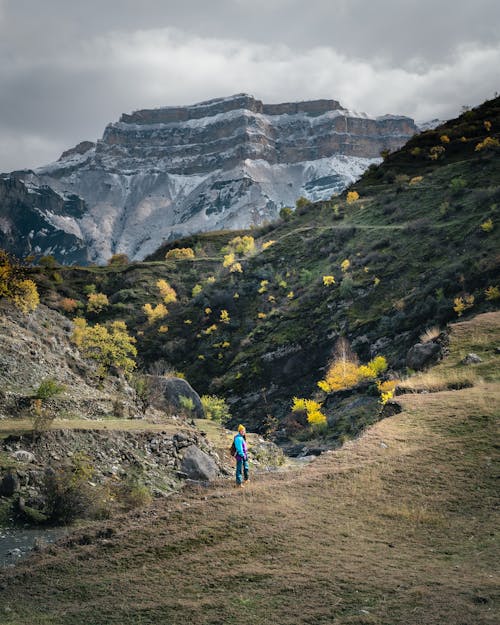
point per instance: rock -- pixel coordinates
(9, 485)
(471, 359)
(23, 456)
(166, 393)
(198, 465)
(423, 355)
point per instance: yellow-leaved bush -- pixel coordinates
(311, 408)
(155, 313)
(167, 292)
(108, 345)
(180, 253)
(96, 302)
(23, 293)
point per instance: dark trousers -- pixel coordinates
(241, 468)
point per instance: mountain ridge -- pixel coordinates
(234, 162)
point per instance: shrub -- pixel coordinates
(312, 409)
(436, 152)
(461, 304)
(224, 316)
(374, 368)
(68, 305)
(457, 185)
(386, 390)
(67, 493)
(166, 291)
(302, 203)
(328, 280)
(216, 408)
(108, 346)
(14, 286)
(242, 245)
(267, 244)
(487, 226)
(492, 293)
(187, 404)
(96, 302)
(286, 213)
(352, 196)
(118, 259)
(345, 264)
(196, 290)
(180, 253)
(488, 143)
(155, 314)
(236, 268)
(416, 180)
(133, 494)
(48, 388)
(444, 139)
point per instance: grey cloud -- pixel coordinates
(73, 67)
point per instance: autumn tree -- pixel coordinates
(14, 286)
(109, 345)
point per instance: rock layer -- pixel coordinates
(226, 163)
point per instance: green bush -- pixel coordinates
(49, 388)
(216, 408)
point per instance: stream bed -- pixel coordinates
(18, 542)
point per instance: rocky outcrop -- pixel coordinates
(29, 355)
(227, 163)
(168, 395)
(198, 465)
(423, 355)
(37, 220)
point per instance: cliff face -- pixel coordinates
(37, 220)
(226, 163)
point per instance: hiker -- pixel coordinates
(240, 444)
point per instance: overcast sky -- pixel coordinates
(70, 67)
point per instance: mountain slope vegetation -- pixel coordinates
(412, 245)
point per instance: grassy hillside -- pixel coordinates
(423, 232)
(397, 527)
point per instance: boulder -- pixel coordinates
(198, 465)
(165, 394)
(471, 359)
(423, 355)
(9, 485)
(21, 455)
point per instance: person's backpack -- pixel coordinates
(232, 451)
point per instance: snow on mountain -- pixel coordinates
(226, 163)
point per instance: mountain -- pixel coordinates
(35, 220)
(420, 237)
(227, 163)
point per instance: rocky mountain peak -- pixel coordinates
(231, 162)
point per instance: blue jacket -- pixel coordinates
(241, 446)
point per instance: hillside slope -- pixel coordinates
(422, 235)
(397, 527)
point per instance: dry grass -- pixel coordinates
(430, 334)
(396, 528)
(439, 380)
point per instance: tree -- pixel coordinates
(14, 286)
(343, 370)
(118, 259)
(166, 291)
(180, 253)
(108, 345)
